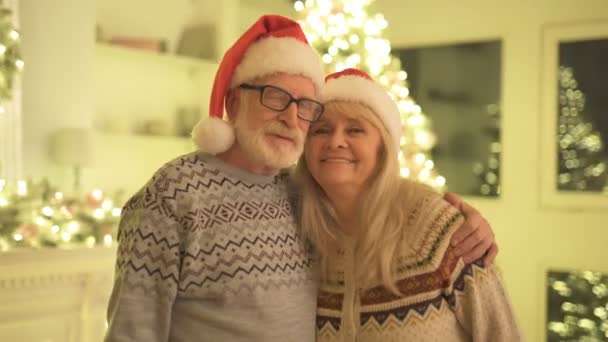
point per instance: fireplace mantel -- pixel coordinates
(55, 295)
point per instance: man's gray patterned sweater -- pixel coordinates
(209, 252)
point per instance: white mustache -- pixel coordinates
(278, 129)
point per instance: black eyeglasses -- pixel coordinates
(278, 100)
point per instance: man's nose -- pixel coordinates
(290, 115)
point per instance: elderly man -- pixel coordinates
(208, 248)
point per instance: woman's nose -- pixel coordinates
(337, 140)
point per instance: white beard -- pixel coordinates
(255, 145)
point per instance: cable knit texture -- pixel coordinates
(444, 299)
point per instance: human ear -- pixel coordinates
(232, 104)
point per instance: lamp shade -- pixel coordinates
(72, 146)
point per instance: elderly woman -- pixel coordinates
(388, 271)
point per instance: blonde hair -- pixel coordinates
(381, 214)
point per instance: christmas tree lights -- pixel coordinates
(581, 167)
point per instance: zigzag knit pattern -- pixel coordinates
(195, 229)
(220, 244)
(442, 298)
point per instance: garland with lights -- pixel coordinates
(347, 37)
(34, 214)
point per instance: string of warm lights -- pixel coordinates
(33, 214)
(347, 37)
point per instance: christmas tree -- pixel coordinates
(346, 36)
(581, 167)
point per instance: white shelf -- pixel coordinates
(131, 139)
(122, 52)
(134, 88)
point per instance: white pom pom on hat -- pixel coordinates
(273, 44)
(213, 135)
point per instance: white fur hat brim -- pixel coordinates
(273, 55)
(358, 89)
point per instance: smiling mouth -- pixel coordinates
(283, 138)
(337, 160)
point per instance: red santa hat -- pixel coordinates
(355, 85)
(273, 44)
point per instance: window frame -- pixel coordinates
(552, 36)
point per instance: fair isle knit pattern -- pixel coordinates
(209, 252)
(443, 299)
